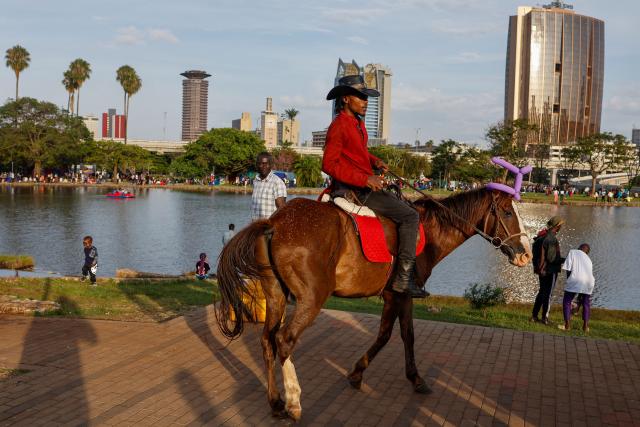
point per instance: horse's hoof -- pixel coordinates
(422, 388)
(277, 409)
(295, 412)
(355, 381)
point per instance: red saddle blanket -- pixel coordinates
(373, 241)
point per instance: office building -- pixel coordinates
(378, 117)
(195, 100)
(113, 125)
(555, 72)
(635, 137)
(269, 126)
(92, 123)
(318, 138)
(288, 131)
(243, 123)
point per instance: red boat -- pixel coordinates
(121, 195)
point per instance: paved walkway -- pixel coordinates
(180, 373)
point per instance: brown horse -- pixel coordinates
(310, 249)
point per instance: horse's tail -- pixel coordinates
(236, 264)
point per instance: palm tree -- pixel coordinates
(307, 169)
(131, 84)
(291, 114)
(70, 84)
(81, 71)
(18, 59)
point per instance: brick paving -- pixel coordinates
(92, 372)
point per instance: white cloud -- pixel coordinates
(627, 103)
(472, 58)
(353, 16)
(159, 34)
(132, 35)
(462, 29)
(358, 40)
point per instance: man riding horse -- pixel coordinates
(350, 165)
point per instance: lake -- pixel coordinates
(164, 230)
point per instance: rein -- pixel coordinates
(495, 241)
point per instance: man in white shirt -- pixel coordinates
(269, 191)
(228, 235)
(580, 281)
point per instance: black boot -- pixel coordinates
(404, 281)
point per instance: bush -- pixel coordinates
(484, 296)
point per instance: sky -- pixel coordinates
(447, 58)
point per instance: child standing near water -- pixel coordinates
(202, 267)
(90, 266)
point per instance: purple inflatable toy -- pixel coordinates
(519, 173)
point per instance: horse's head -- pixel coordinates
(503, 225)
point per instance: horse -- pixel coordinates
(310, 249)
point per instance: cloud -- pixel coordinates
(462, 29)
(353, 16)
(133, 36)
(627, 103)
(472, 58)
(358, 40)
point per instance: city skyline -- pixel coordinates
(447, 59)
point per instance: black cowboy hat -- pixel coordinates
(351, 85)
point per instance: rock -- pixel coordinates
(433, 309)
(10, 304)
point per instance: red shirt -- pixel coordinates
(346, 157)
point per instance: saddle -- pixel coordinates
(377, 235)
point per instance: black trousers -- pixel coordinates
(543, 299)
(86, 270)
(406, 217)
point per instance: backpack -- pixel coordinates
(536, 250)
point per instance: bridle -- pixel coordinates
(494, 209)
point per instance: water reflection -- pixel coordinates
(164, 231)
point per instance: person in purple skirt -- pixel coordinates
(580, 282)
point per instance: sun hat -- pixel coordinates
(351, 85)
(555, 221)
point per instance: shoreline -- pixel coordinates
(537, 198)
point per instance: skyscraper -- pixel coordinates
(555, 72)
(113, 125)
(243, 123)
(269, 126)
(635, 137)
(195, 99)
(378, 117)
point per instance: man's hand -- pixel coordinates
(375, 183)
(381, 165)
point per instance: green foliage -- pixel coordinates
(228, 151)
(402, 162)
(17, 58)
(308, 171)
(284, 157)
(509, 140)
(484, 296)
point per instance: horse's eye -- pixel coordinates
(508, 214)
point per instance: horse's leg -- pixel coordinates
(389, 315)
(405, 306)
(276, 304)
(309, 300)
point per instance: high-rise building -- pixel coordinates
(635, 137)
(195, 99)
(378, 117)
(318, 138)
(92, 123)
(243, 123)
(269, 125)
(555, 72)
(288, 131)
(113, 125)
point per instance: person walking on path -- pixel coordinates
(547, 264)
(269, 191)
(350, 165)
(90, 266)
(228, 235)
(580, 281)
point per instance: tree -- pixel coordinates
(308, 171)
(18, 59)
(599, 152)
(70, 84)
(229, 151)
(402, 162)
(39, 135)
(509, 139)
(291, 114)
(284, 157)
(630, 161)
(80, 70)
(131, 84)
(444, 158)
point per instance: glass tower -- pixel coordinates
(554, 72)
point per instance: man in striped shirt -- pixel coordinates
(269, 191)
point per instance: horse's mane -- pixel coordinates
(466, 204)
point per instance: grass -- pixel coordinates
(16, 262)
(155, 301)
(132, 300)
(6, 374)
